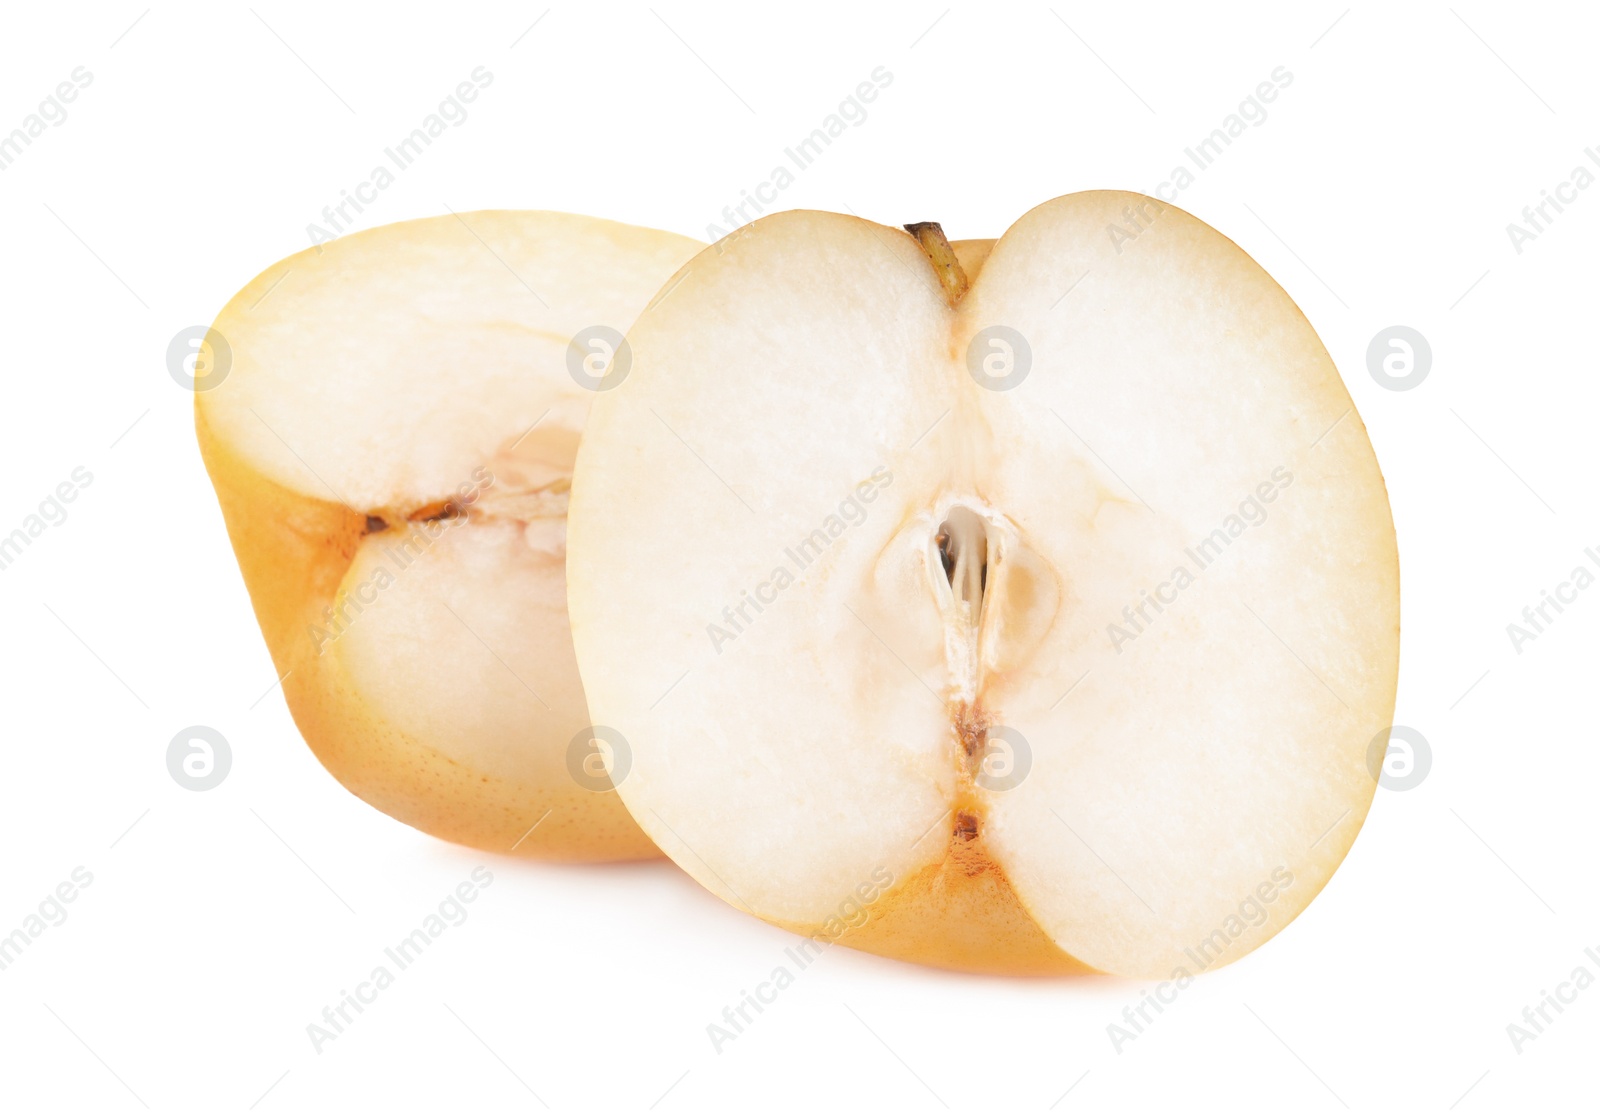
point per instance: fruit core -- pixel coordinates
(526, 481)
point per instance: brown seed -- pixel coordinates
(966, 826)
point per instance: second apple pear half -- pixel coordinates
(1024, 606)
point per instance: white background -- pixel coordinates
(219, 924)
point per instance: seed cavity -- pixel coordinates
(439, 510)
(963, 542)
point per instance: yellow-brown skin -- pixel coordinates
(293, 551)
(959, 911)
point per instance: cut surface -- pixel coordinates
(393, 448)
(934, 630)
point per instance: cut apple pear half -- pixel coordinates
(1023, 606)
(392, 445)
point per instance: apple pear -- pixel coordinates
(390, 426)
(1026, 606)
